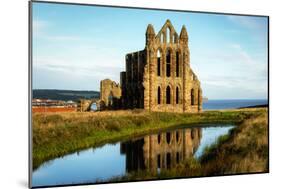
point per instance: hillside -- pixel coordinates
(65, 95)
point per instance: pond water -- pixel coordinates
(153, 152)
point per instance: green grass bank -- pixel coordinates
(57, 134)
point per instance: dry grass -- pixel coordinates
(244, 150)
(56, 134)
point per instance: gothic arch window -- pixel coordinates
(174, 38)
(177, 64)
(168, 137)
(158, 63)
(159, 95)
(177, 95)
(168, 160)
(168, 34)
(178, 157)
(177, 136)
(158, 161)
(159, 138)
(192, 97)
(162, 38)
(168, 63)
(168, 95)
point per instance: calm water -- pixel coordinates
(153, 152)
(230, 104)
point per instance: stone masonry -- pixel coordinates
(110, 95)
(158, 78)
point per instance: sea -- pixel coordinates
(232, 103)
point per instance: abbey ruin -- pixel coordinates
(158, 78)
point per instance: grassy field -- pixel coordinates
(57, 134)
(243, 150)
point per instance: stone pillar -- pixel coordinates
(196, 100)
(188, 84)
(152, 80)
(146, 79)
(173, 62)
(162, 57)
(185, 82)
(173, 76)
(200, 100)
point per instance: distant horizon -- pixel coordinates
(203, 96)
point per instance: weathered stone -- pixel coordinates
(110, 95)
(159, 78)
(84, 105)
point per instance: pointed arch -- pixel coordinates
(162, 38)
(159, 95)
(175, 39)
(177, 64)
(177, 95)
(168, 95)
(168, 63)
(168, 35)
(159, 138)
(192, 97)
(159, 55)
(168, 160)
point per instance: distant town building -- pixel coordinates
(47, 105)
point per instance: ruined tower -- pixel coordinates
(159, 78)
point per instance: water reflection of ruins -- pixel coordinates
(161, 151)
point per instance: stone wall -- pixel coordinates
(110, 95)
(169, 82)
(84, 105)
(131, 80)
(158, 78)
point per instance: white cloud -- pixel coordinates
(73, 66)
(87, 72)
(231, 71)
(246, 21)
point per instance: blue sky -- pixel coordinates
(74, 47)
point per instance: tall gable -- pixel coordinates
(167, 33)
